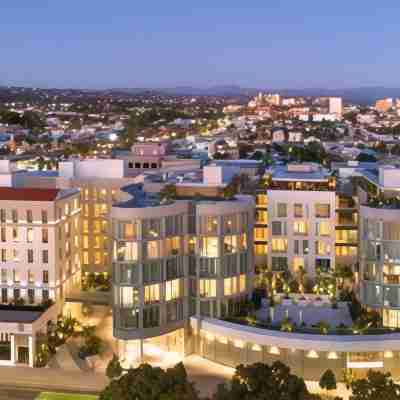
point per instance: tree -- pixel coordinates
(168, 193)
(150, 383)
(263, 381)
(328, 381)
(114, 369)
(376, 386)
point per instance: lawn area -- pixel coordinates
(64, 396)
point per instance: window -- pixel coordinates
(127, 251)
(322, 210)
(31, 276)
(30, 256)
(45, 256)
(208, 288)
(242, 283)
(152, 293)
(296, 247)
(229, 223)
(97, 257)
(128, 230)
(281, 210)
(29, 235)
(322, 228)
(209, 247)
(153, 249)
(85, 226)
(243, 242)
(322, 248)
(15, 234)
(230, 286)
(173, 245)
(85, 242)
(261, 200)
(45, 276)
(279, 245)
(85, 258)
(14, 216)
(4, 275)
(260, 234)
(44, 217)
(230, 244)
(3, 216)
(129, 297)
(45, 294)
(15, 256)
(209, 225)
(300, 228)
(172, 289)
(279, 264)
(31, 296)
(4, 295)
(261, 217)
(260, 249)
(3, 255)
(298, 210)
(16, 277)
(306, 248)
(277, 228)
(3, 234)
(17, 294)
(29, 217)
(45, 235)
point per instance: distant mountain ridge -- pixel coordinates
(362, 95)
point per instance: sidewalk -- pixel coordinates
(52, 379)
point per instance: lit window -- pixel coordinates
(230, 286)
(300, 228)
(208, 287)
(172, 289)
(152, 293)
(209, 247)
(279, 245)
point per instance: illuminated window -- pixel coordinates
(322, 210)
(153, 249)
(97, 242)
(129, 297)
(260, 249)
(127, 251)
(173, 245)
(209, 247)
(208, 287)
(297, 263)
(152, 293)
(85, 226)
(85, 242)
(243, 242)
(322, 248)
(230, 286)
(85, 258)
(129, 230)
(29, 235)
(242, 283)
(97, 257)
(323, 228)
(300, 228)
(172, 289)
(260, 234)
(279, 245)
(261, 200)
(230, 244)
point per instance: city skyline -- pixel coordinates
(336, 46)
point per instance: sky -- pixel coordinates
(200, 43)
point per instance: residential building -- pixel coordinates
(336, 106)
(384, 105)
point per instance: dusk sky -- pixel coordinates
(255, 43)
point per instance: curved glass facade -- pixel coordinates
(380, 262)
(173, 262)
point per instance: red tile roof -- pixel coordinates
(28, 194)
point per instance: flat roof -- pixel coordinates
(282, 173)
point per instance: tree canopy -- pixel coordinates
(262, 381)
(148, 383)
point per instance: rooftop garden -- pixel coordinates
(392, 203)
(324, 306)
